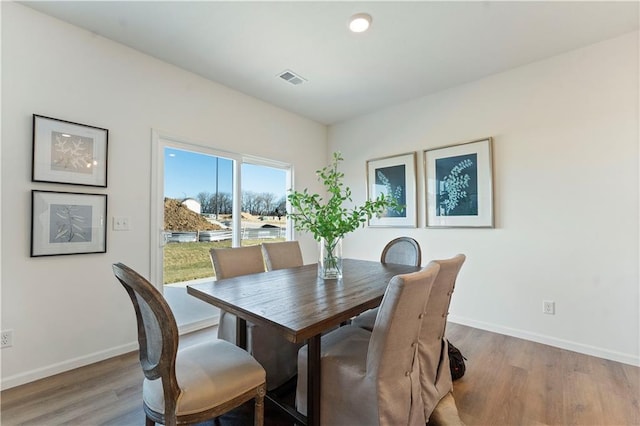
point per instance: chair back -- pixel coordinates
(157, 333)
(268, 346)
(236, 261)
(434, 357)
(393, 350)
(402, 250)
(282, 255)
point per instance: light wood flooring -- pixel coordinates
(509, 381)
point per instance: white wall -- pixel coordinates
(566, 185)
(68, 311)
(566, 196)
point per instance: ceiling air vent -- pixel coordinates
(291, 77)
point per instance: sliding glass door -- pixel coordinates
(204, 198)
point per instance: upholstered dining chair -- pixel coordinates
(433, 353)
(276, 354)
(434, 357)
(282, 255)
(193, 384)
(401, 250)
(236, 261)
(373, 378)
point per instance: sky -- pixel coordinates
(187, 173)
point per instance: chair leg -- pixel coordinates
(259, 407)
(148, 421)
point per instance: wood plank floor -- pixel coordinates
(509, 381)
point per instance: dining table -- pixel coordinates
(301, 306)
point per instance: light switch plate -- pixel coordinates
(121, 223)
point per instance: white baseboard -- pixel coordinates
(61, 367)
(549, 340)
(198, 325)
(41, 373)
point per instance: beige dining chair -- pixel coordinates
(190, 385)
(282, 255)
(434, 356)
(401, 250)
(373, 378)
(276, 354)
(433, 353)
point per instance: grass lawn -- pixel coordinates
(190, 261)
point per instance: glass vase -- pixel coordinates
(330, 262)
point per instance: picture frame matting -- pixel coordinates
(459, 185)
(394, 176)
(65, 223)
(68, 152)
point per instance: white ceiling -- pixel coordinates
(412, 49)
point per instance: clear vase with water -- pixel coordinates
(330, 261)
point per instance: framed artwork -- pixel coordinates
(395, 177)
(459, 185)
(66, 152)
(68, 223)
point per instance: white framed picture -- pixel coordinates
(459, 185)
(67, 152)
(395, 177)
(68, 223)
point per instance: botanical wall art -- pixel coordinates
(459, 185)
(66, 152)
(395, 177)
(67, 223)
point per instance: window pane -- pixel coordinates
(197, 215)
(263, 204)
(198, 191)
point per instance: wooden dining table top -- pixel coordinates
(296, 301)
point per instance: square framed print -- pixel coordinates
(459, 185)
(394, 176)
(68, 223)
(66, 152)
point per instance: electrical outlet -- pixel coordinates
(121, 223)
(6, 338)
(549, 307)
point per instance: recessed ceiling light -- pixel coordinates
(360, 22)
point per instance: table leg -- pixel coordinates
(241, 333)
(313, 381)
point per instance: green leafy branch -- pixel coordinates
(331, 220)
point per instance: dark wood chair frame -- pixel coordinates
(395, 241)
(161, 363)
